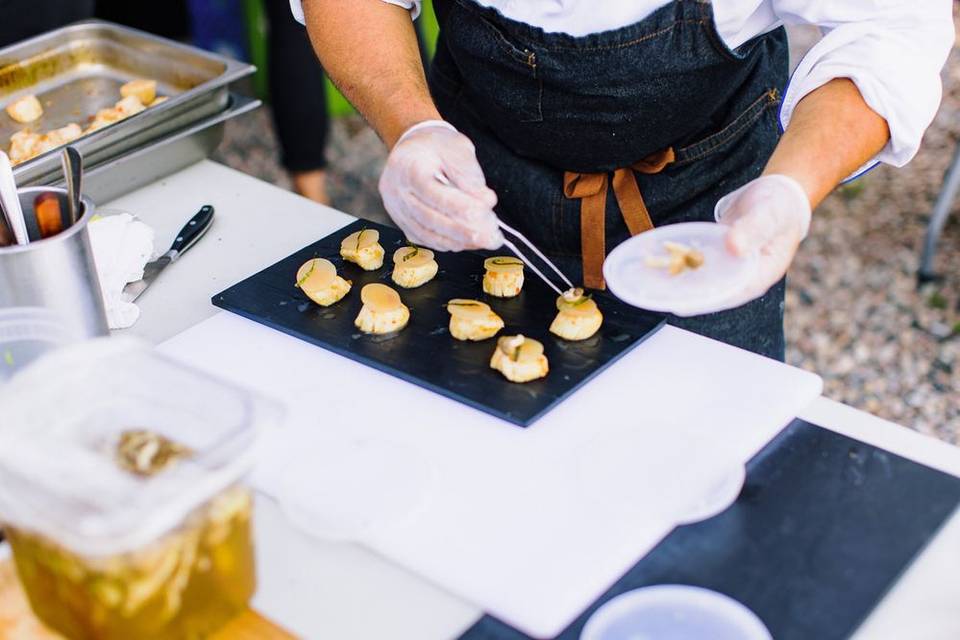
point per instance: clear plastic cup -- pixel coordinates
(26, 333)
(121, 491)
(674, 612)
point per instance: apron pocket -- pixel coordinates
(731, 132)
(506, 70)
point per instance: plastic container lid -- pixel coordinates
(721, 276)
(63, 416)
(674, 612)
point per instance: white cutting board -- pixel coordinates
(530, 524)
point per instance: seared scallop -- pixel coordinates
(472, 320)
(59, 137)
(318, 279)
(519, 359)
(413, 266)
(25, 109)
(363, 248)
(144, 90)
(578, 317)
(504, 276)
(382, 311)
(23, 146)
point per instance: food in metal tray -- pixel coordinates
(318, 279)
(520, 359)
(186, 584)
(679, 258)
(25, 145)
(124, 108)
(25, 110)
(136, 96)
(413, 267)
(503, 277)
(472, 320)
(578, 316)
(382, 311)
(363, 248)
(144, 90)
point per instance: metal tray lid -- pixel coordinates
(62, 417)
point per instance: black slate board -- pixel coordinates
(424, 353)
(824, 526)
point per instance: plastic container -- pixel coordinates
(121, 494)
(674, 612)
(632, 278)
(26, 333)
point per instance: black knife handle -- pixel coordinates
(192, 231)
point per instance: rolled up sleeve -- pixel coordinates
(296, 6)
(893, 50)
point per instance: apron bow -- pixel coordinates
(591, 190)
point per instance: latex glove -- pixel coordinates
(769, 216)
(454, 216)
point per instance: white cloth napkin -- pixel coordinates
(121, 245)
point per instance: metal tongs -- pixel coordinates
(505, 227)
(522, 238)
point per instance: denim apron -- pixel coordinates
(662, 106)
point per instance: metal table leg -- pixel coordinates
(941, 210)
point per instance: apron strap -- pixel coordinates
(591, 190)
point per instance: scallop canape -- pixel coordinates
(363, 248)
(578, 317)
(382, 311)
(413, 266)
(519, 359)
(504, 276)
(318, 279)
(472, 320)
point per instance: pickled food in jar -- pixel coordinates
(186, 583)
(146, 453)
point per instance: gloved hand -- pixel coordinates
(434, 189)
(769, 216)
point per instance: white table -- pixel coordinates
(325, 590)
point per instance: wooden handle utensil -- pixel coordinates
(46, 207)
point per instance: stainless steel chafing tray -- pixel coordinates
(78, 69)
(153, 160)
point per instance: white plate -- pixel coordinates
(721, 277)
(674, 612)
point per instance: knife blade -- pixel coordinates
(198, 225)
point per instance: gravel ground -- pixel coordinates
(854, 312)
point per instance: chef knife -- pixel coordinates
(188, 236)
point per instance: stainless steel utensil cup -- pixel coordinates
(54, 278)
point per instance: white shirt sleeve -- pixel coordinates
(296, 6)
(893, 50)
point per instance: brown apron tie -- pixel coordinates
(591, 190)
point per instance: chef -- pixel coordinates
(583, 122)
